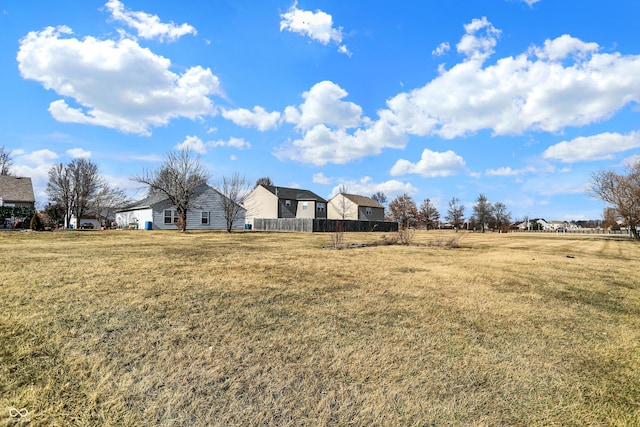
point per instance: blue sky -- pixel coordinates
(518, 100)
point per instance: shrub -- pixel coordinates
(36, 223)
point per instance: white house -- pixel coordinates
(156, 212)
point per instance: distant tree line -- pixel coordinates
(486, 215)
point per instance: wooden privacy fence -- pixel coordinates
(310, 225)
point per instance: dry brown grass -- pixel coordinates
(162, 328)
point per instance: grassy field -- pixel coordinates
(162, 328)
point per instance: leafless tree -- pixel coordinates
(86, 181)
(60, 190)
(455, 213)
(403, 210)
(501, 216)
(482, 211)
(379, 197)
(234, 189)
(177, 178)
(73, 187)
(6, 162)
(428, 214)
(342, 205)
(264, 181)
(622, 192)
(107, 201)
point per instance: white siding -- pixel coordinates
(205, 200)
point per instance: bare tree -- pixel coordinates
(403, 210)
(342, 205)
(60, 190)
(6, 162)
(428, 214)
(234, 189)
(621, 192)
(501, 216)
(264, 181)
(107, 200)
(379, 197)
(73, 187)
(85, 180)
(455, 213)
(177, 178)
(482, 211)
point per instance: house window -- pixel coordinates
(205, 218)
(321, 207)
(305, 206)
(168, 216)
(287, 202)
(368, 211)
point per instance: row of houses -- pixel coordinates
(263, 202)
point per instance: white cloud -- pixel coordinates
(40, 157)
(148, 26)
(531, 2)
(474, 43)
(431, 164)
(192, 143)
(441, 49)
(231, 142)
(596, 147)
(564, 83)
(323, 105)
(319, 178)
(322, 145)
(116, 84)
(78, 153)
(316, 25)
(630, 161)
(196, 144)
(564, 47)
(258, 118)
(365, 187)
(508, 171)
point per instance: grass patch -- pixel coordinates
(160, 328)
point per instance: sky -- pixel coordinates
(518, 100)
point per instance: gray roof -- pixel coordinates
(363, 201)
(294, 193)
(154, 199)
(16, 189)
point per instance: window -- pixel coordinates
(168, 216)
(205, 218)
(368, 211)
(305, 206)
(287, 202)
(321, 207)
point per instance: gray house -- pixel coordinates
(157, 212)
(271, 202)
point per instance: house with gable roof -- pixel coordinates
(17, 199)
(272, 202)
(354, 207)
(157, 212)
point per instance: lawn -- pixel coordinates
(150, 328)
